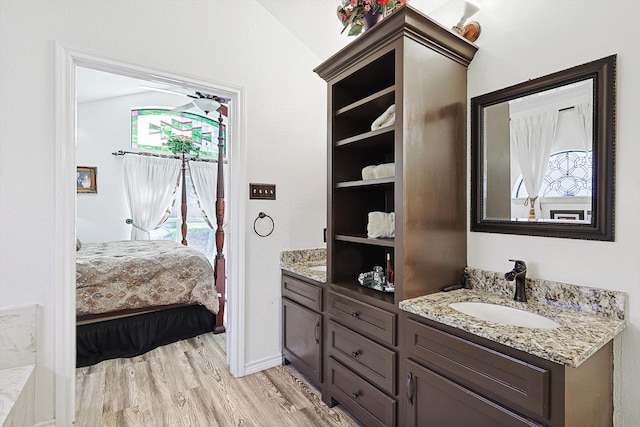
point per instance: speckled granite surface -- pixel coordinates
(588, 317)
(305, 262)
(601, 302)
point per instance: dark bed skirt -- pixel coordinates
(135, 335)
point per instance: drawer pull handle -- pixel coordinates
(355, 314)
(410, 388)
(356, 353)
(316, 334)
(355, 395)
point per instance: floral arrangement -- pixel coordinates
(180, 143)
(351, 12)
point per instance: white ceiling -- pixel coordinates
(315, 25)
(94, 85)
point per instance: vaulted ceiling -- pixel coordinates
(313, 22)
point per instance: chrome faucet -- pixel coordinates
(518, 274)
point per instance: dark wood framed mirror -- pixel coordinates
(543, 155)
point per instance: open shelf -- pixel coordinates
(364, 240)
(366, 183)
(378, 100)
(369, 136)
(353, 289)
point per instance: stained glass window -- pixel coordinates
(151, 128)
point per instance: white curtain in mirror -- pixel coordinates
(204, 178)
(585, 117)
(150, 185)
(532, 137)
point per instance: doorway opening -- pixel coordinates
(70, 62)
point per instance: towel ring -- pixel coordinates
(262, 215)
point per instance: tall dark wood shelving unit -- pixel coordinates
(412, 62)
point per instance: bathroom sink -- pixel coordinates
(504, 315)
(321, 268)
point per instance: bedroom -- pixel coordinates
(275, 130)
(103, 214)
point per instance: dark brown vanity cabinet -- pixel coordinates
(409, 61)
(455, 379)
(302, 325)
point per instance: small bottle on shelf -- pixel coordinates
(389, 271)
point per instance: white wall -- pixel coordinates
(235, 42)
(527, 39)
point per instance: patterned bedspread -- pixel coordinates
(138, 274)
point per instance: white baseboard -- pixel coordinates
(261, 365)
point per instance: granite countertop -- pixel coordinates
(306, 262)
(589, 317)
(579, 336)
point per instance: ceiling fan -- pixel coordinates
(200, 100)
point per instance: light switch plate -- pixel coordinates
(262, 191)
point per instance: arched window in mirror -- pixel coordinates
(569, 174)
(566, 189)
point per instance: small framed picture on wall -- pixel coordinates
(86, 179)
(567, 215)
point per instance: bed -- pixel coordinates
(133, 296)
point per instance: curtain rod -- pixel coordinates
(166, 156)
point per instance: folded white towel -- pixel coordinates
(385, 170)
(381, 224)
(368, 172)
(386, 119)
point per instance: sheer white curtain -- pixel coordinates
(150, 184)
(204, 178)
(532, 137)
(585, 117)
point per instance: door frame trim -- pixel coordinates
(68, 57)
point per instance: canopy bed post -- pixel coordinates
(183, 206)
(219, 271)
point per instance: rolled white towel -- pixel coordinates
(368, 172)
(385, 170)
(386, 119)
(381, 224)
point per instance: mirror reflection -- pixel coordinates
(543, 154)
(538, 151)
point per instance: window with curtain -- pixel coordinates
(569, 173)
(200, 235)
(150, 128)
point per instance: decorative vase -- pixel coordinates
(371, 19)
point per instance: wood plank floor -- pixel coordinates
(187, 383)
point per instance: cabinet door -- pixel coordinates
(301, 338)
(433, 400)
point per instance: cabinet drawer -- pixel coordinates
(368, 404)
(372, 361)
(303, 293)
(364, 318)
(435, 401)
(503, 378)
